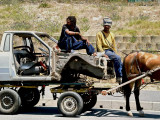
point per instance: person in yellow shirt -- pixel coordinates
(105, 42)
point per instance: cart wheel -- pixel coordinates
(89, 101)
(10, 101)
(29, 96)
(70, 104)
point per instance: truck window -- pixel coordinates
(17, 41)
(37, 45)
(7, 43)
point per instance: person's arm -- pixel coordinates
(77, 33)
(67, 31)
(84, 39)
(71, 32)
(99, 43)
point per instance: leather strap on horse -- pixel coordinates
(135, 59)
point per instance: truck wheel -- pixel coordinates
(89, 101)
(70, 104)
(29, 96)
(10, 101)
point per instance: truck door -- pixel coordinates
(5, 59)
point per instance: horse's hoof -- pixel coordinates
(129, 113)
(141, 113)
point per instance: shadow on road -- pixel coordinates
(93, 112)
(116, 113)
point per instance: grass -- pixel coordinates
(115, 17)
(21, 26)
(122, 31)
(48, 27)
(15, 16)
(148, 27)
(44, 5)
(133, 39)
(85, 24)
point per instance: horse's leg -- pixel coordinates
(128, 89)
(136, 94)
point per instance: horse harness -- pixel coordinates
(137, 65)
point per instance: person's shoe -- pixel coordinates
(119, 80)
(94, 54)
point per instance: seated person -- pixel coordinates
(106, 43)
(71, 39)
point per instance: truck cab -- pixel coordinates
(25, 56)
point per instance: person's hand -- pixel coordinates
(104, 92)
(88, 42)
(94, 54)
(106, 56)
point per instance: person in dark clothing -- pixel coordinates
(71, 39)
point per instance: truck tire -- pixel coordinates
(89, 101)
(70, 104)
(10, 101)
(29, 96)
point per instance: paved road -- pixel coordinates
(150, 100)
(51, 113)
(145, 95)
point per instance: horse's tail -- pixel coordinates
(125, 88)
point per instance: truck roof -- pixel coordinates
(35, 32)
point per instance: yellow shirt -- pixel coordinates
(103, 44)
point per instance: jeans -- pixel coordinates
(117, 61)
(70, 43)
(83, 45)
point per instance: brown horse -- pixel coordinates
(134, 65)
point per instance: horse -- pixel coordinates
(134, 64)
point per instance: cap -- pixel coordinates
(107, 21)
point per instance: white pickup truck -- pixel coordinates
(28, 62)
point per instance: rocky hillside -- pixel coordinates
(128, 19)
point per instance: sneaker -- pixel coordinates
(119, 80)
(94, 54)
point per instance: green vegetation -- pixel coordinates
(48, 27)
(85, 24)
(49, 16)
(148, 27)
(44, 5)
(133, 39)
(20, 26)
(122, 31)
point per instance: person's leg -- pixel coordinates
(82, 45)
(117, 62)
(90, 50)
(78, 45)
